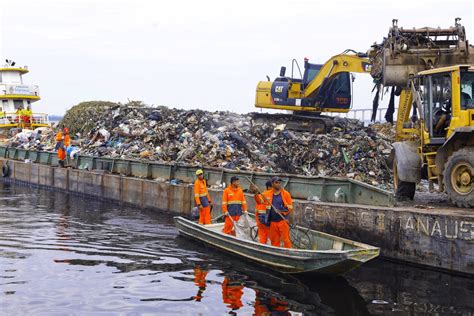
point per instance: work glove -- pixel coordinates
(200, 206)
(226, 214)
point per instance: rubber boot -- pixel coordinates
(61, 163)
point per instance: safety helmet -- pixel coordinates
(66, 130)
(199, 171)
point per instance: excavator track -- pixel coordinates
(317, 124)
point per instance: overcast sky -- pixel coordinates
(194, 54)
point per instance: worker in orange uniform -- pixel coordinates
(202, 198)
(233, 205)
(200, 281)
(232, 292)
(280, 200)
(261, 213)
(63, 140)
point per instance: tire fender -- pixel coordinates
(5, 170)
(408, 161)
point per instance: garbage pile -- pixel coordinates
(384, 130)
(228, 140)
(39, 139)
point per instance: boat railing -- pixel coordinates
(11, 119)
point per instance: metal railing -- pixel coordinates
(364, 115)
(16, 120)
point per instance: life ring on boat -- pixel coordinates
(5, 170)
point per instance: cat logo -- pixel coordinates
(279, 89)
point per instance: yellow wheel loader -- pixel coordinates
(432, 68)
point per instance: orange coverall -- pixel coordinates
(202, 198)
(60, 138)
(279, 228)
(232, 293)
(261, 209)
(233, 202)
(200, 281)
(62, 149)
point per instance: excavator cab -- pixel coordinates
(310, 71)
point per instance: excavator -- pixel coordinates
(432, 72)
(321, 88)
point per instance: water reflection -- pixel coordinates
(59, 251)
(269, 305)
(232, 292)
(390, 286)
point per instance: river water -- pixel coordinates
(64, 254)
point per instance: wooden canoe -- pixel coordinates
(330, 255)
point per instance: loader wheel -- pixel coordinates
(403, 190)
(458, 177)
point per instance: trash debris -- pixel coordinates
(230, 140)
(40, 139)
(314, 198)
(224, 139)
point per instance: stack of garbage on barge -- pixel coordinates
(222, 139)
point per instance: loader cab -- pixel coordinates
(447, 94)
(437, 105)
(467, 90)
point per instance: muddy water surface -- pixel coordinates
(63, 254)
